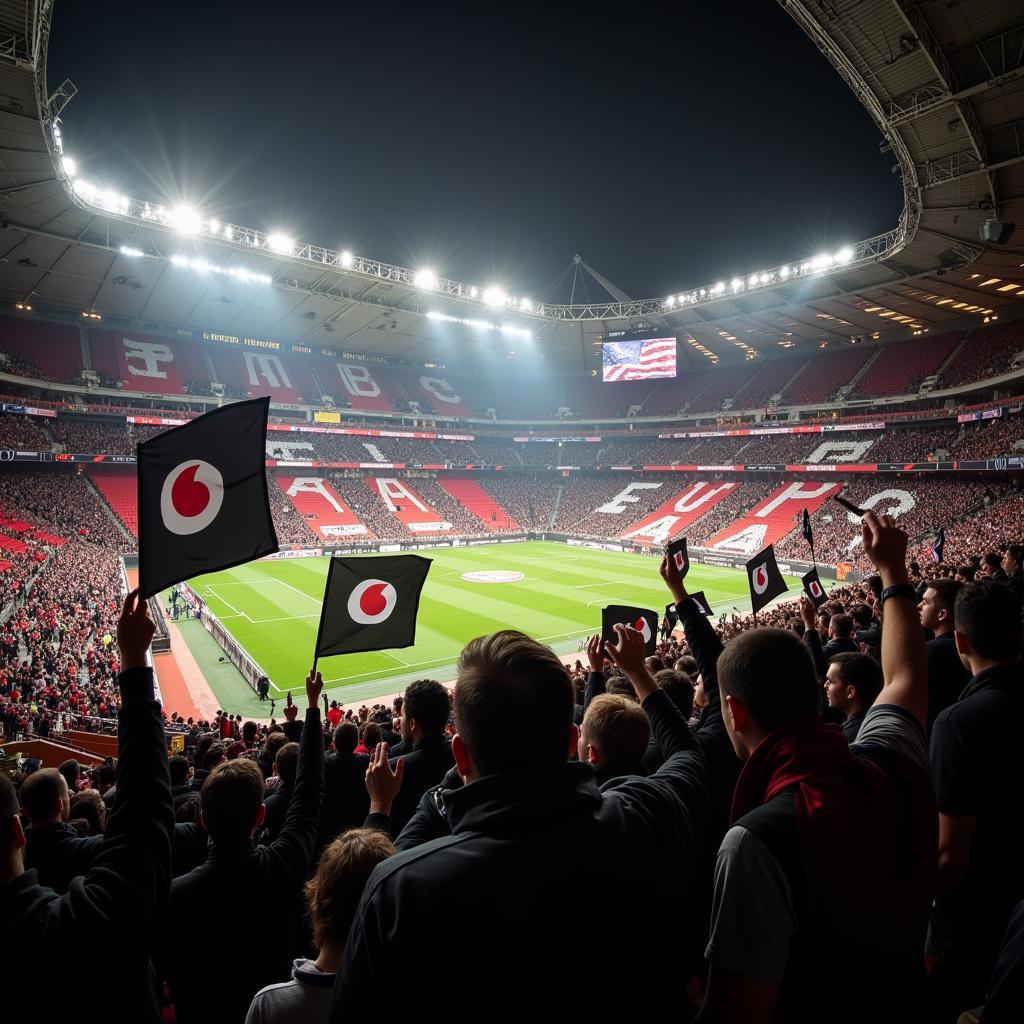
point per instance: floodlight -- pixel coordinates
(753, 280)
(525, 304)
(670, 301)
(737, 284)
(185, 220)
(719, 288)
(346, 259)
(784, 272)
(821, 261)
(473, 292)
(765, 278)
(425, 279)
(214, 227)
(70, 167)
(229, 232)
(179, 261)
(280, 243)
(844, 255)
(127, 250)
(495, 296)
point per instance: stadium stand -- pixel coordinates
(23, 432)
(41, 350)
(146, 363)
(469, 493)
(322, 509)
(987, 352)
(286, 378)
(120, 491)
(771, 378)
(528, 498)
(727, 383)
(901, 366)
(92, 436)
(826, 374)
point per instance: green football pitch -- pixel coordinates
(272, 608)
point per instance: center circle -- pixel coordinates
(492, 576)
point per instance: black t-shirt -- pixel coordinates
(977, 766)
(947, 675)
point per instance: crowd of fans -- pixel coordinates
(92, 436)
(22, 432)
(825, 775)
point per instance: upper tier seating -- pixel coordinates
(826, 374)
(986, 353)
(41, 350)
(900, 367)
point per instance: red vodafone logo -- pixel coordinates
(759, 577)
(816, 588)
(191, 497)
(372, 601)
(643, 627)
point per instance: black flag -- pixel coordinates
(938, 544)
(701, 602)
(678, 553)
(370, 604)
(203, 502)
(765, 580)
(813, 588)
(808, 536)
(642, 619)
(672, 614)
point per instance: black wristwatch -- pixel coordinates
(899, 590)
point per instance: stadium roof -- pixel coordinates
(943, 82)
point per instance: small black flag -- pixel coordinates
(641, 619)
(672, 615)
(766, 582)
(813, 588)
(679, 555)
(701, 602)
(808, 535)
(203, 502)
(938, 544)
(370, 604)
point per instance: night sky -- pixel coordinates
(671, 145)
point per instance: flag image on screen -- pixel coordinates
(638, 360)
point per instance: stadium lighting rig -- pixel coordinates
(509, 330)
(188, 221)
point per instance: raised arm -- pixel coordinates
(904, 665)
(293, 848)
(125, 890)
(595, 678)
(810, 639)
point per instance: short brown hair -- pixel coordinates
(287, 763)
(679, 687)
(231, 797)
(40, 793)
(514, 703)
(335, 890)
(618, 728)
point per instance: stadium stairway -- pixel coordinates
(470, 494)
(554, 508)
(324, 511)
(119, 492)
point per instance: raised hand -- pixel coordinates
(628, 655)
(673, 578)
(807, 611)
(382, 783)
(595, 654)
(135, 630)
(314, 687)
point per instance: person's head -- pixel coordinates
(852, 682)
(514, 706)
(336, 888)
(991, 562)
(840, 627)
(654, 664)
(768, 682)
(821, 622)
(687, 663)
(249, 730)
(371, 735)
(425, 710)
(937, 607)
(988, 625)
(874, 584)
(104, 777)
(1013, 559)
(679, 687)
(70, 770)
(700, 698)
(45, 797)
(346, 737)
(215, 754)
(203, 744)
(178, 766)
(89, 805)
(614, 734)
(275, 741)
(231, 801)
(286, 763)
(861, 615)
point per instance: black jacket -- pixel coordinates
(346, 801)
(425, 766)
(116, 905)
(490, 908)
(58, 853)
(250, 897)
(947, 675)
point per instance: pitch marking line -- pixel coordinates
(228, 603)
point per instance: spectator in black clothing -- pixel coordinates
(807, 802)
(1013, 566)
(840, 633)
(257, 955)
(425, 712)
(614, 737)
(528, 827)
(992, 564)
(346, 802)
(852, 683)
(265, 759)
(947, 674)
(116, 905)
(975, 764)
(181, 790)
(72, 773)
(1006, 989)
(52, 847)
(286, 763)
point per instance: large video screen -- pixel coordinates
(638, 359)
